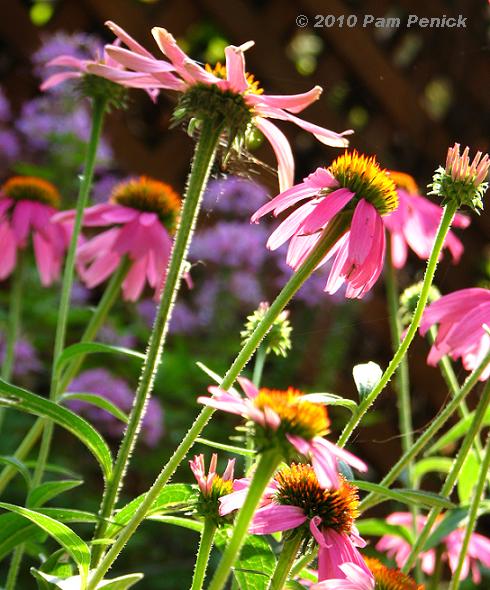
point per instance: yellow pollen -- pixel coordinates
(31, 188)
(404, 181)
(364, 177)
(298, 486)
(390, 578)
(147, 194)
(298, 417)
(219, 70)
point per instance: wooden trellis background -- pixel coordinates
(400, 127)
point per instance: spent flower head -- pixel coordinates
(462, 181)
(278, 339)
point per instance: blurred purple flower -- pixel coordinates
(183, 321)
(5, 112)
(234, 195)
(103, 187)
(109, 335)
(9, 146)
(246, 288)
(116, 390)
(26, 359)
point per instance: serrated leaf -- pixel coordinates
(67, 538)
(19, 466)
(366, 376)
(73, 583)
(429, 465)
(377, 527)
(24, 400)
(173, 497)
(330, 399)
(227, 448)
(99, 401)
(254, 568)
(50, 489)
(404, 495)
(84, 348)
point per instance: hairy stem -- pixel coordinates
(205, 546)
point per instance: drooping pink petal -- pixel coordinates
(283, 152)
(8, 248)
(248, 387)
(337, 550)
(294, 103)
(235, 69)
(326, 209)
(275, 518)
(58, 78)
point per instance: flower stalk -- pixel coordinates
(367, 402)
(286, 561)
(204, 551)
(336, 230)
(201, 168)
(452, 476)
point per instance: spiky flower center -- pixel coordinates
(298, 486)
(298, 417)
(153, 196)
(390, 579)
(208, 503)
(404, 181)
(219, 70)
(364, 177)
(31, 188)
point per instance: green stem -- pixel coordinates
(452, 476)
(336, 230)
(13, 572)
(402, 373)
(260, 357)
(304, 561)
(98, 111)
(13, 324)
(473, 516)
(205, 546)
(201, 167)
(285, 562)
(428, 435)
(367, 402)
(267, 464)
(435, 578)
(98, 318)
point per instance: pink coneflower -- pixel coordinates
(353, 186)
(463, 318)
(142, 215)
(200, 85)
(354, 578)
(415, 223)
(211, 485)
(27, 206)
(288, 421)
(74, 68)
(399, 549)
(294, 499)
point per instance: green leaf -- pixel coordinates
(185, 523)
(294, 585)
(83, 348)
(18, 466)
(51, 468)
(431, 464)
(452, 520)
(257, 561)
(457, 432)
(15, 529)
(48, 490)
(330, 399)
(377, 527)
(26, 401)
(468, 477)
(366, 376)
(100, 402)
(67, 538)
(227, 448)
(214, 376)
(172, 498)
(405, 496)
(73, 583)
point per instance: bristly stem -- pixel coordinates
(266, 466)
(260, 358)
(452, 476)
(478, 493)
(286, 561)
(201, 167)
(336, 230)
(428, 435)
(202, 560)
(402, 385)
(98, 111)
(367, 402)
(13, 324)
